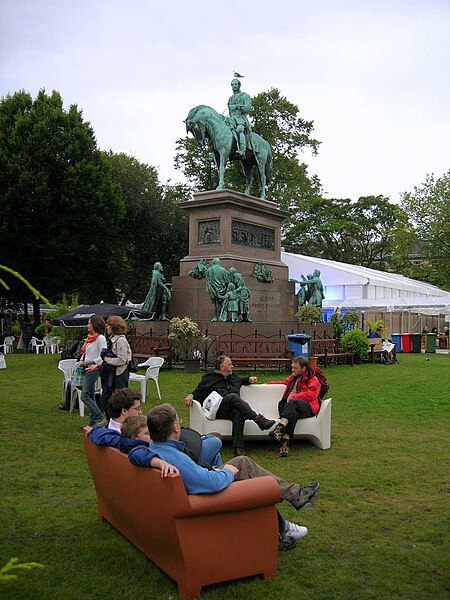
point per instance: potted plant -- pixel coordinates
(185, 335)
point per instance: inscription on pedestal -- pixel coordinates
(265, 304)
(255, 236)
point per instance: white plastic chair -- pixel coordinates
(153, 364)
(66, 366)
(37, 345)
(7, 344)
(48, 344)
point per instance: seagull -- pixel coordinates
(236, 74)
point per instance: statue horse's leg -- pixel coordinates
(261, 159)
(221, 170)
(248, 170)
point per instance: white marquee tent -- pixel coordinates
(361, 288)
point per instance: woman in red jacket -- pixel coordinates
(300, 401)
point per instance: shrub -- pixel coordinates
(309, 313)
(355, 341)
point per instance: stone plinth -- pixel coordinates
(240, 230)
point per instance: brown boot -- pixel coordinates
(284, 448)
(277, 432)
(264, 423)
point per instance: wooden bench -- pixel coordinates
(328, 350)
(144, 346)
(196, 539)
(375, 349)
(255, 350)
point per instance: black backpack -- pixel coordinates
(324, 387)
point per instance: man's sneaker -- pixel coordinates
(286, 541)
(296, 531)
(264, 423)
(239, 451)
(277, 432)
(304, 495)
(284, 449)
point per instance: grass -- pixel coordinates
(378, 529)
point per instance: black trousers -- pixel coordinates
(293, 411)
(237, 411)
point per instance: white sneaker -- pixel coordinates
(296, 531)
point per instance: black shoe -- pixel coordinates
(304, 495)
(63, 407)
(264, 423)
(286, 541)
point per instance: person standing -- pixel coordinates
(118, 356)
(90, 360)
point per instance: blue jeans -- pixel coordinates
(88, 396)
(210, 452)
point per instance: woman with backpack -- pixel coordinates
(300, 401)
(115, 373)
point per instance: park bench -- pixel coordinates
(328, 350)
(197, 539)
(255, 350)
(144, 346)
(375, 349)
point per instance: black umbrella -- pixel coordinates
(79, 316)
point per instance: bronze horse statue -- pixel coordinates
(207, 125)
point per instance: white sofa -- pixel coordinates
(264, 398)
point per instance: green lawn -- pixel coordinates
(378, 529)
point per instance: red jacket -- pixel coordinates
(305, 388)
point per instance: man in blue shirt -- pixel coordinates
(164, 428)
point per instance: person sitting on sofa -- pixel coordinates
(223, 381)
(204, 449)
(299, 401)
(164, 428)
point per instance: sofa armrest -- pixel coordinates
(240, 495)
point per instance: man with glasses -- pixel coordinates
(123, 403)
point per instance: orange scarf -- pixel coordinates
(90, 338)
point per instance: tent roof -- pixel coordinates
(337, 273)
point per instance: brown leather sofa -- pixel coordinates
(196, 539)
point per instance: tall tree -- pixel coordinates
(365, 232)
(59, 207)
(428, 207)
(278, 121)
(154, 227)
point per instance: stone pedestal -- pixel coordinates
(241, 230)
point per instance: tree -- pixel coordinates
(154, 227)
(276, 120)
(428, 208)
(364, 232)
(59, 207)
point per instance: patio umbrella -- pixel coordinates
(79, 316)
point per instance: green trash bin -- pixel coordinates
(416, 339)
(431, 342)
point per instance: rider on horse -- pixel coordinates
(239, 106)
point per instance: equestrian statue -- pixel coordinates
(230, 138)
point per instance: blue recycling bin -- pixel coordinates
(396, 339)
(299, 344)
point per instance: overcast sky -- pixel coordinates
(373, 76)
